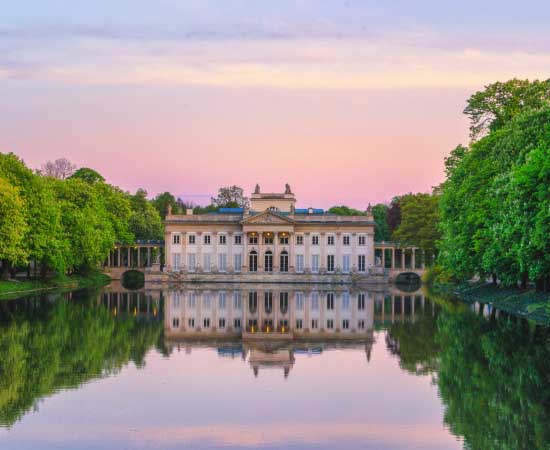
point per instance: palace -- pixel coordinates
(271, 238)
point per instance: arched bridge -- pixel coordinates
(138, 256)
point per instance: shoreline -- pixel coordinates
(526, 303)
(12, 289)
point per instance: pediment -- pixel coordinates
(267, 218)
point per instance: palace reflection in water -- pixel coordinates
(300, 366)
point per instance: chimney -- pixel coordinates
(189, 211)
(310, 210)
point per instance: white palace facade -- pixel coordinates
(272, 238)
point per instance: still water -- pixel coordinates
(293, 367)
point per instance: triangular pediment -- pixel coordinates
(268, 218)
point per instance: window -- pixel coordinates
(283, 239)
(237, 323)
(362, 240)
(299, 324)
(299, 301)
(175, 322)
(191, 262)
(191, 238)
(283, 266)
(345, 239)
(176, 257)
(206, 322)
(315, 263)
(330, 240)
(361, 263)
(330, 324)
(252, 302)
(222, 262)
(299, 263)
(192, 300)
(268, 302)
(330, 301)
(314, 240)
(345, 324)
(253, 239)
(345, 263)
(268, 261)
(176, 238)
(268, 239)
(330, 263)
(237, 303)
(283, 302)
(299, 239)
(221, 323)
(361, 301)
(314, 301)
(206, 300)
(238, 239)
(191, 322)
(345, 301)
(253, 261)
(361, 324)
(314, 324)
(207, 239)
(237, 262)
(222, 239)
(176, 300)
(207, 262)
(221, 300)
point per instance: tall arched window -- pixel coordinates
(268, 260)
(253, 261)
(284, 261)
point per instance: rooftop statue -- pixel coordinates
(257, 189)
(287, 189)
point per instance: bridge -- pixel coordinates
(138, 256)
(401, 261)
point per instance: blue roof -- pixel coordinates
(231, 210)
(306, 211)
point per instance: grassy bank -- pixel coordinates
(10, 289)
(529, 303)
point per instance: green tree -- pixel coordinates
(498, 103)
(163, 201)
(419, 221)
(13, 228)
(380, 215)
(145, 222)
(343, 210)
(88, 175)
(230, 197)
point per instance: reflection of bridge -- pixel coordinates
(138, 256)
(396, 260)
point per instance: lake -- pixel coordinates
(269, 367)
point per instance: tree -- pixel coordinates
(145, 222)
(162, 201)
(419, 221)
(60, 168)
(496, 105)
(88, 175)
(380, 215)
(230, 197)
(394, 214)
(13, 228)
(343, 210)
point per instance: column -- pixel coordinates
(118, 260)
(148, 256)
(338, 256)
(129, 262)
(383, 258)
(230, 242)
(322, 243)
(413, 258)
(392, 308)
(292, 255)
(276, 256)
(393, 257)
(261, 256)
(214, 263)
(199, 251)
(244, 268)
(307, 256)
(353, 252)
(183, 262)
(139, 256)
(402, 258)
